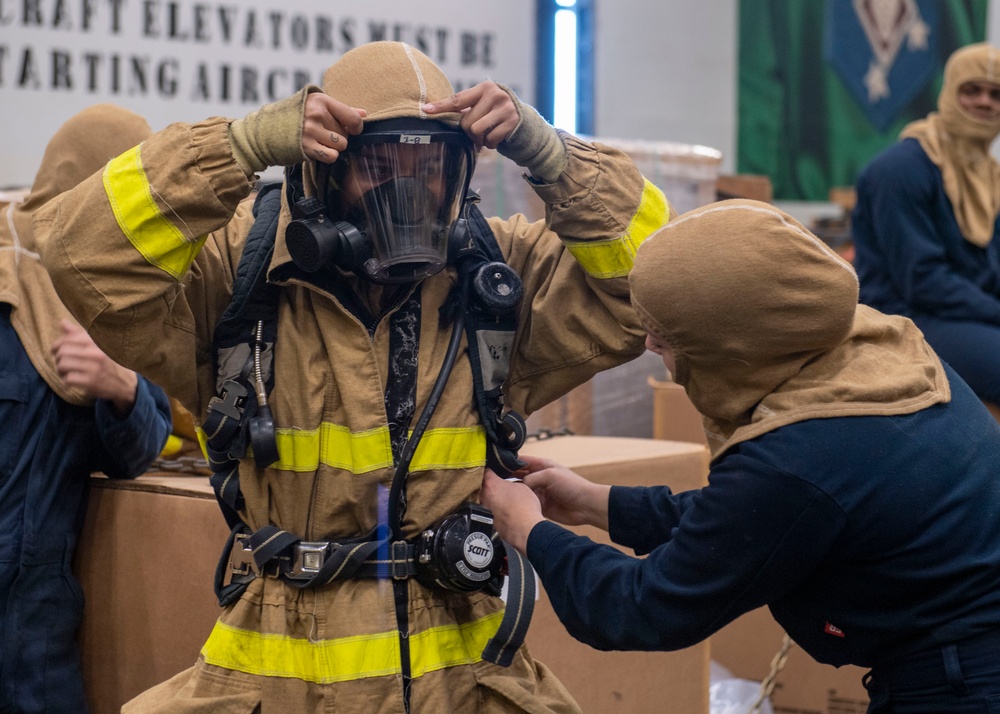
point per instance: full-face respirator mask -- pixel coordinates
(389, 208)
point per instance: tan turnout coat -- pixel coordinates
(147, 252)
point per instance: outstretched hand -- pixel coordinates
(553, 491)
(327, 125)
(489, 113)
(565, 496)
(516, 509)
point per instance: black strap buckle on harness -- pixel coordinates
(241, 557)
(278, 553)
(402, 561)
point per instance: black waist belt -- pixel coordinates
(308, 559)
(276, 553)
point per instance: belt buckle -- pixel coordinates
(241, 556)
(398, 560)
(308, 559)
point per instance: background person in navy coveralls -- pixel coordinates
(925, 222)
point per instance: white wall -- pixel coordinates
(200, 58)
(666, 71)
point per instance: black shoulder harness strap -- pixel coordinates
(249, 321)
(490, 332)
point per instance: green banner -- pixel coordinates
(800, 123)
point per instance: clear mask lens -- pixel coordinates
(404, 197)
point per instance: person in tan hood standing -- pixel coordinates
(371, 411)
(66, 411)
(925, 223)
(853, 485)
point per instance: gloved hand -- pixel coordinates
(534, 143)
(272, 135)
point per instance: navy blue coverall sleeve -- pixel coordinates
(740, 542)
(132, 443)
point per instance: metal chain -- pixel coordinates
(543, 434)
(777, 664)
(182, 464)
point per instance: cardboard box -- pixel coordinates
(625, 461)
(747, 647)
(634, 682)
(146, 561)
(752, 186)
(150, 546)
(674, 416)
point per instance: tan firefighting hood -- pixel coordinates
(959, 145)
(766, 329)
(81, 147)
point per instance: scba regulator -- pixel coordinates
(462, 552)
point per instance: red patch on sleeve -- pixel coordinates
(833, 630)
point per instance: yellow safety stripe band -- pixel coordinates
(304, 450)
(614, 258)
(450, 449)
(347, 658)
(333, 445)
(451, 645)
(149, 231)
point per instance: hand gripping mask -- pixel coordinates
(389, 207)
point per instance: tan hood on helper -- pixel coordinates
(959, 145)
(81, 147)
(764, 322)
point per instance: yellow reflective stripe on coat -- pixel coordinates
(160, 241)
(347, 658)
(614, 258)
(333, 445)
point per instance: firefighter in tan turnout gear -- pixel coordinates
(365, 404)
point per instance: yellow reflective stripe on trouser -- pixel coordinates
(614, 258)
(159, 240)
(333, 445)
(347, 658)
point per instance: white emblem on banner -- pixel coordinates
(887, 23)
